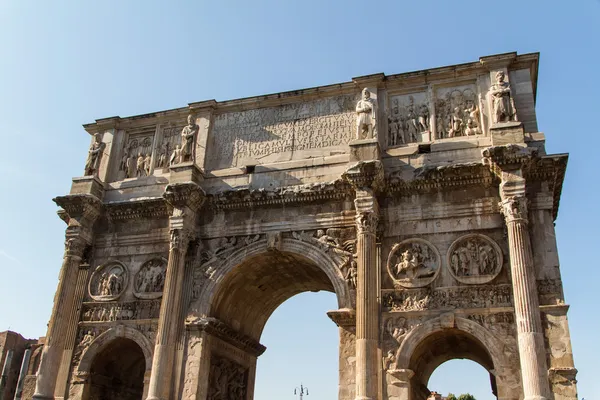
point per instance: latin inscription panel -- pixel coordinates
(290, 132)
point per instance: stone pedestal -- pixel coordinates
(364, 150)
(507, 133)
(185, 172)
(88, 185)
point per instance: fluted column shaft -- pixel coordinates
(63, 311)
(534, 372)
(166, 339)
(367, 310)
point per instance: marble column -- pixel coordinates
(534, 372)
(367, 309)
(62, 315)
(166, 339)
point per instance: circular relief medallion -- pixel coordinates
(474, 259)
(413, 263)
(108, 281)
(150, 279)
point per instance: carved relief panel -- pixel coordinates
(457, 112)
(137, 153)
(108, 281)
(474, 259)
(291, 131)
(171, 139)
(413, 263)
(150, 279)
(409, 119)
(227, 380)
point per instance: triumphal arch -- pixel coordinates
(425, 201)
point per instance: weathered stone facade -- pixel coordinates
(425, 201)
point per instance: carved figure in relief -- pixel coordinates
(162, 158)
(110, 282)
(503, 104)
(325, 239)
(389, 361)
(123, 163)
(151, 277)
(227, 380)
(423, 118)
(139, 166)
(352, 273)
(394, 136)
(147, 164)
(472, 116)
(456, 123)
(92, 164)
(175, 156)
(188, 138)
(366, 117)
(474, 256)
(412, 124)
(413, 263)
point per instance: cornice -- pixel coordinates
(550, 169)
(137, 209)
(221, 330)
(186, 194)
(83, 208)
(344, 318)
(309, 193)
(431, 178)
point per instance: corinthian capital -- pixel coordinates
(366, 222)
(514, 209)
(179, 239)
(507, 158)
(75, 246)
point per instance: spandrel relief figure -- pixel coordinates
(366, 116)
(503, 105)
(92, 164)
(474, 259)
(413, 263)
(188, 139)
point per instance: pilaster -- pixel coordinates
(509, 162)
(80, 212)
(184, 200)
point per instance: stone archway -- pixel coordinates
(115, 365)
(237, 301)
(445, 338)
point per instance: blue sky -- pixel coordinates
(66, 63)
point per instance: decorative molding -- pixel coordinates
(109, 281)
(450, 298)
(430, 178)
(344, 318)
(308, 193)
(154, 208)
(221, 330)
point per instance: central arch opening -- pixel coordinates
(117, 372)
(249, 294)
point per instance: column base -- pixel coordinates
(363, 398)
(42, 397)
(535, 398)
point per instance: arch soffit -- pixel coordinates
(329, 264)
(490, 341)
(105, 338)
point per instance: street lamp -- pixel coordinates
(301, 391)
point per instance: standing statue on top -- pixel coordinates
(92, 164)
(366, 117)
(503, 105)
(188, 139)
